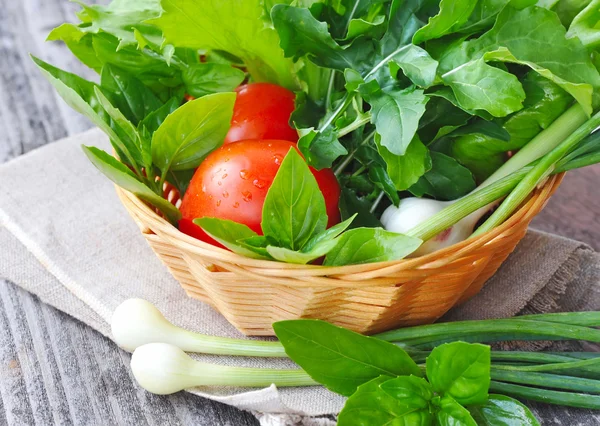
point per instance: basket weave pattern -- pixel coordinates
(370, 298)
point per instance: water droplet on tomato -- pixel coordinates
(218, 203)
(236, 205)
(277, 158)
(247, 196)
(210, 197)
(226, 160)
(219, 183)
(225, 194)
(224, 176)
(203, 188)
(244, 174)
(258, 183)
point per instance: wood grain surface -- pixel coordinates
(31, 115)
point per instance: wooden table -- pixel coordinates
(46, 379)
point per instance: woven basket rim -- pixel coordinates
(156, 224)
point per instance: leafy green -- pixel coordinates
(126, 179)
(406, 170)
(204, 79)
(453, 15)
(340, 359)
(369, 245)
(460, 370)
(236, 27)
(584, 25)
(320, 149)
(503, 410)
(228, 233)
(294, 208)
(351, 204)
(452, 413)
(192, 131)
(447, 179)
(370, 406)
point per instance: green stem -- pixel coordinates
(218, 375)
(192, 342)
(348, 159)
(330, 89)
(568, 399)
(554, 381)
(354, 125)
(541, 170)
(553, 367)
(490, 329)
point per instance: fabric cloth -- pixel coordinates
(66, 238)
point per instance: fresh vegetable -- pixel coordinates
(262, 111)
(412, 104)
(233, 181)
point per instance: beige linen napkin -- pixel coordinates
(66, 238)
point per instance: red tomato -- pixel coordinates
(233, 181)
(262, 111)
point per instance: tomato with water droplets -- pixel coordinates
(262, 111)
(232, 183)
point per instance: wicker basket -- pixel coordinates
(370, 298)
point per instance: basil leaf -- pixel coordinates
(320, 149)
(228, 232)
(451, 413)
(328, 235)
(501, 410)
(80, 95)
(341, 359)
(396, 115)
(258, 244)
(369, 245)
(79, 43)
(192, 132)
(300, 257)
(126, 179)
(460, 370)
(204, 79)
(447, 180)
(126, 131)
(129, 94)
(153, 120)
(294, 208)
(405, 170)
(372, 406)
(413, 392)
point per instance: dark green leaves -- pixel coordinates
(206, 78)
(341, 359)
(453, 15)
(294, 209)
(503, 410)
(406, 170)
(126, 179)
(460, 370)
(320, 149)
(447, 180)
(367, 245)
(192, 131)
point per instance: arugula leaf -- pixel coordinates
(320, 149)
(546, 50)
(460, 370)
(228, 233)
(479, 86)
(369, 405)
(126, 179)
(192, 132)
(382, 180)
(352, 205)
(416, 64)
(451, 413)
(396, 115)
(440, 118)
(341, 359)
(234, 27)
(406, 170)
(500, 409)
(453, 15)
(294, 208)
(369, 245)
(585, 24)
(204, 79)
(447, 180)
(128, 94)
